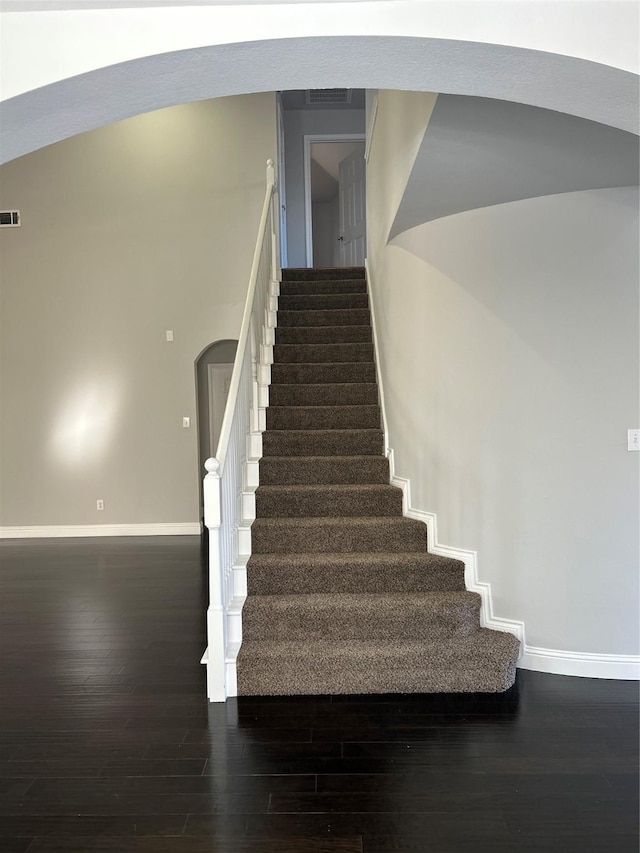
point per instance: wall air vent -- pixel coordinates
(328, 96)
(9, 218)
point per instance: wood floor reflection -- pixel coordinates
(107, 741)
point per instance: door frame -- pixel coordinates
(309, 140)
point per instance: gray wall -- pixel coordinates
(326, 230)
(298, 124)
(139, 227)
(477, 152)
(509, 351)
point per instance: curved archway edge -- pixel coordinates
(563, 83)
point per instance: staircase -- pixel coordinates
(343, 596)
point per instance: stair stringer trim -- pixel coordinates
(470, 558)
(488, 619)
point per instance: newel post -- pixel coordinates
(271, 173)
(216, 653)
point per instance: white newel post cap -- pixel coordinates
(212, 465)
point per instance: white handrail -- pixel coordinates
(225, 430)
(225, 482)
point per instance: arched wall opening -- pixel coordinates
(213, 369)
(565, 83)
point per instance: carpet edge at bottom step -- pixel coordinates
(482, 662)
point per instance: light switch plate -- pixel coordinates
(169, 334)
(186, 422)
(633, 439)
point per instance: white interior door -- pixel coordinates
(352, 209)
(219, 384)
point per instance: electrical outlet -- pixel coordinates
(633, 439)
(99, 504)
(186, 422)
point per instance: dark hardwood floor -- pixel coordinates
(108, 742)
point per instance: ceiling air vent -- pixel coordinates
(9, 218)
(328, 96)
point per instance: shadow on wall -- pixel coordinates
(213, 368)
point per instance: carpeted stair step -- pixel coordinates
(343, 596)
(322, 353)
(483, 662)
(337, 394)
(322, 442)
(323, 301)
(328, 317)
(321, 274)
(345, 285)
(296, 574)
(329, 535)
(357, 372)
(361, 616)
(323, 334)
(323, 417)
(300, 470)
(328, 501)
(282, 574)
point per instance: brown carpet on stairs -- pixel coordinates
(343, 595)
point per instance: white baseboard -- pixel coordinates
(581, 664)
(55, 531)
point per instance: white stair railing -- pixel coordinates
(229, 504)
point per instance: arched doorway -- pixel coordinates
(213, 369)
